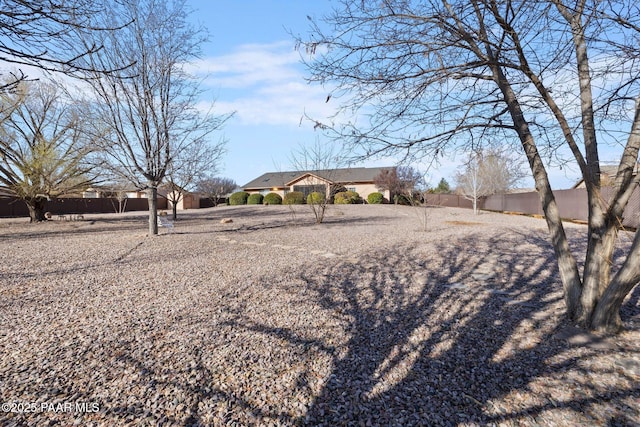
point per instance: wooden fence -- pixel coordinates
(11, 207)
(571, 203)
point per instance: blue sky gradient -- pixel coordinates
(252, 67)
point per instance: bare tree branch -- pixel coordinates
(424, 79)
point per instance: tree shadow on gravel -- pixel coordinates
(456, 336)
(463, 332)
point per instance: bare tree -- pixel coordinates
(323, 159)
(148, 112)
(215, 187)
(434, 76)
(118, 190)
(193, 163)
(415, 193)
(399, 181)
(43, 150)
(487, 173)
(45, 35)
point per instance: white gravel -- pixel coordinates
(271, 319)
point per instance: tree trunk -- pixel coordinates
(606, 316)
(572, 285)
(598, 261)
(174, 210)
(152, 195)
(36, 207)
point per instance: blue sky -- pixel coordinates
(254, 70)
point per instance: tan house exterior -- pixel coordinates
(185, 201)
(360, 180)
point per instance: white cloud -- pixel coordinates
(250, 65)
(264, 84)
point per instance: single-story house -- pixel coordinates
(360, 180)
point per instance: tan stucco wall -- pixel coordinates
(278, 191)
(186, 201)
(365, 189)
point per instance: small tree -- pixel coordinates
(398, 181)
(118, 190)
(485, 174)
(215, 187)
(442, 188)
(189, 166)
(317, 157)
(44, 151)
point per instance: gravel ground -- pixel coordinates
(367, 319)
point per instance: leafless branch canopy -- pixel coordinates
(147, 113)
(417, 77)
(556, 77)
(47, 34)
(43, 149)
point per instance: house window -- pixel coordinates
(308, 189)
(351, 189)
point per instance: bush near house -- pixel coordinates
(238, 198)
(293, 198)
(255, 199)
(315, 198)
(402, 199)
(346, 198)
(272, 199)
(375, 198)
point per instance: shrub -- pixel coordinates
(255, 199)
(375, 198)
(346, 198)
(293, 198)
(402, 199)
(272, 199)
(315, 198)
(238, 198)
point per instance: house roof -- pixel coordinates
(608, 174)
(338, 176)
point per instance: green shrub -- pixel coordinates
(272, 199)
(255, 199)
(346, 198)
(238, 198)
(402, 199)
(315, 198)
(375, 198)
(293, 198)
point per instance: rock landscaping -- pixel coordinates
(270, 319)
